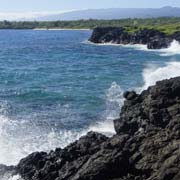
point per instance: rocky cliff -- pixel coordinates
(146, 146)
(154, 39)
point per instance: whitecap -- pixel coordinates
(19, 138)
(15, 177)
(141, 47)
(152, 73)
(114, 102)
(173, 49)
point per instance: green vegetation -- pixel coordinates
(167, 25)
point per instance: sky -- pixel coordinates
(27, 8)
(62, 5)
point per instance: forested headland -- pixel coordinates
(164, 24)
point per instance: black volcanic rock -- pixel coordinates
(154, 107)
(146, 146)
(106, 34)
(61, 163)
(145, 35)
(154, 39)
(176, 36)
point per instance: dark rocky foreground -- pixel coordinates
(154, 39)
(146, 146)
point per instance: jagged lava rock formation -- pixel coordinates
(146, 146)
(154, 39)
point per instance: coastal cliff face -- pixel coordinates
(146, 146)
(154, 39)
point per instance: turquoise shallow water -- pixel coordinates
(55, 86)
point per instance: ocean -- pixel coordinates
(55, 86)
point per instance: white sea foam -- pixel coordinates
(114, 95)
(134, 46)
(114, 101)
(141, 47)
(15, 177)
(173, 49)
(101, 44)
(152, 73)
(19, 138)
(105, 127)
(9, 176)
(16, 146)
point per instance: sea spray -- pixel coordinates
(18, 138)
(15, 177)
(54, 78)
(114, 101)
(152, 73)
(16, 145)
(173, 49)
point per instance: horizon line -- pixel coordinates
(24, 15)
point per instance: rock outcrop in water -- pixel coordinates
(154, 39)
(146, 146)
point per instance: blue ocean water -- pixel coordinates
(55, 86)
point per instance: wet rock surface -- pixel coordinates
(146, 146)
(154, 39)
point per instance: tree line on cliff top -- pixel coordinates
(164, 24)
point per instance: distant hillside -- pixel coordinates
(117, 13)
(167, 25)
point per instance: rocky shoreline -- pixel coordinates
(146, 145)
(154, 39)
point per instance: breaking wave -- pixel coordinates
(19, 138)
(152, 73)
(114, 102)
(10, 177)
(173, 49)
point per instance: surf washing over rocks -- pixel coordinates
(14, 147)
(173, 49)
(153, 39)
(152, 116)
